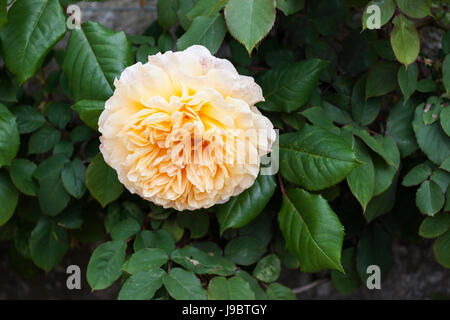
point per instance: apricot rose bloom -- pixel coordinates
(174, 128)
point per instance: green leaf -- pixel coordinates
(205, 8)
(9, 136)
(407, 80)
(429, 198)
(167, 13)
(374, 248)
(89, 111)
(244, 250)
(290, 6)
(250, 21)
(43, 140)
(384, 173)
(446, 42)
(426, 86)
(364, 111)
(444, 117)
(9, 198)
(349, 281)
(3, 13)
(102, 181)
(288, 88)
(417, 175)
(59, 114)
(242, 209)
(158, 239)
(315, 158)
(183, 285)
(277, 291)
(33, 28)
(405, 40)
(28, 118)
(206, 31)
(105, 265)
(387, 9)
(400, 129)
(50, 168)
(446, 165)
(362, 178)
(431, 138)
(48, 244)
(8, 87)
(432, 110)
(381, 204)
(201, 262)
(446, 73)
(145, 260)
(235, 288)
(312, 231)
(414, 8)
(71, 218)
(142, 285)
(268, 269)
(435, 226)
(253, 283)
(441, 249)
(73, 176)
(125, 229)
(52, 195)
(21, 172)
(381, 79)
(94, 57)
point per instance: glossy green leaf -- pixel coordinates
(73, 176)
(250, 21)
(28, 118)
(145, 260)
(288, 88)
(387, 9)
(253, 283)
(414, 8)
(102, 181)
(312, 231)
(268, 269)
(242, 209)
(435, 226)
(399, 127)
(9, 198)
(244, 250)
(290, 6)
(43, 140)
(207, 31)
(142, 285)
(405, 40)
(417, 175)
(277, 291)
(364, 111)
(205, 8)
(48, 244)
(235, 288)
(94, 57)
(89, 111)
(381, 79)
(33, 28)
(59, 114)
(183, 285)
(361, 179)
(385, 173)
(315, 158)
(444, 117)
(105, 265)
(9, 136)
(349, 281)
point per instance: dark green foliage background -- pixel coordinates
(364, 120)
